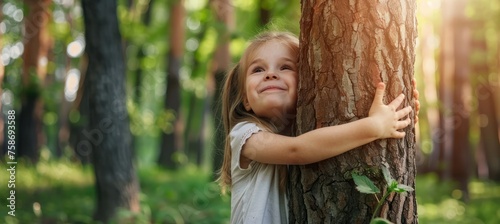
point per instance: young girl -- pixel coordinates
(258, 109)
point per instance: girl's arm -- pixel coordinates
(383, 122)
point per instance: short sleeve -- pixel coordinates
(239, 135)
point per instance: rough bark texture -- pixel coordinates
(109, 134)
(172, 142)
(346, 48)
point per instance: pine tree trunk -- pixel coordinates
(172, 142)
(35, 58)
(109, 134)
(346, 48)
(224, 14)
(484, 92)
(454, 152)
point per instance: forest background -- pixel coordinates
(175, 54)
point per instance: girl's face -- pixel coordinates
(271, 81)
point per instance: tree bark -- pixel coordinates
(346, 47)
(172, 142)
(109, 134)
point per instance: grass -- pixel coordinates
(63, 192)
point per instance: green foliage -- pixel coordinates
(365, 185)
(63, 192)
(440, 202)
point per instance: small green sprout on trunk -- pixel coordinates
(365, 185)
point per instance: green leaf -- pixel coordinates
(393, 185)
(364, 185)
(403, 188)
(387, 175)
(380, 221)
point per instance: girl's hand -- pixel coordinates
(386, 118)
(416, 95)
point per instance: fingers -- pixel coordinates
(417, 110)
(403, 124)
(379, 94)
(403, 112)
(398, 134)
(416, 94)
(396, 102)
(400, 125)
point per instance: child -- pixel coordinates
(259, 96)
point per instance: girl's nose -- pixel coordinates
(271, 75)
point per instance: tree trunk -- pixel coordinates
(109, 134)
(454, 151)
(35, 59)
(79, 117)
(462, 154)
(346, 48)
(172, 142)
(428, 99)
(224, 14)
(489, 143)
(265, 7)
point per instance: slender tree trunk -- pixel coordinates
(454, 152)
(346, 48)
(265, 7)
(79, 117)
(109, 134)
(224, 13)
(172, 142)
(489, 144)
(35, 58)
(139, 71)
(194, 125)
(429, 97)
(461, 162)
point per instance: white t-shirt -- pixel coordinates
(255, 191)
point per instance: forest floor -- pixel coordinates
(63, 192)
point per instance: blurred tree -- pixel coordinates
(452, 159)
(265, 7)
(224, 16)
(489, 144)
(346, 48)
(429, 96)
(79, 115)
(139, 13)
(37, 44)
(172, 142)
(109, 136)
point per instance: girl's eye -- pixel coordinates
(286, 67)
(257, 69)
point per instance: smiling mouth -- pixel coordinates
(272, 88)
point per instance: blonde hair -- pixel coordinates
(233, 93)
